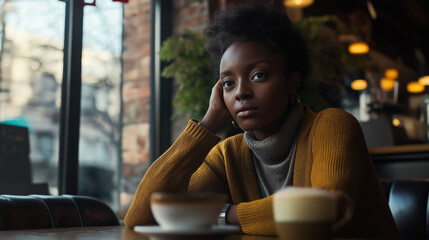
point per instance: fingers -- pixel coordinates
(217, 91)
(218, 86)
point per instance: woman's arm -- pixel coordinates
(171, 172)
(339, 152)
(253, 214)
(256, 217)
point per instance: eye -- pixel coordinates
(259, 76)
(227, 83)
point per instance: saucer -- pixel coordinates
(157, 233)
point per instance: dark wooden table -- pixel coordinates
(104, 233)
(92, 233)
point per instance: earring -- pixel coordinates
(294, 98)
(297, 99)
(234, 124)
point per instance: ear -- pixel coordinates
(294, 81)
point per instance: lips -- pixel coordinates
(246, 111)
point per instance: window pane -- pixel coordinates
(31, 65)
(99, 145)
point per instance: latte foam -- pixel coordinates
(304, 204)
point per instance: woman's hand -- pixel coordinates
(217, 115)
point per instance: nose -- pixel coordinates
(243, 90)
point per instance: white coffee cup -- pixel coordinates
(186, 211)
(308, 213)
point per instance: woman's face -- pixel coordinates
(255, 87)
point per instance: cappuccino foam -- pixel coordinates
(299, 205)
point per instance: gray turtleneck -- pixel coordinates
(274, 156)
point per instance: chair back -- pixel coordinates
(409, 203)
(14, 154)
(15, 167)
(44, 211)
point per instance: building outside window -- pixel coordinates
(31, 65)
(99, 147)
(31, 56)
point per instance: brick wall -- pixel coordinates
(191, 14)
(136, 98)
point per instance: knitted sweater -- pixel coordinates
(331, 154)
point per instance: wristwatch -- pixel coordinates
(221, 220)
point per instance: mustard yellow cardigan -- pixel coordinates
(331, 154)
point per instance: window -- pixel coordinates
(31, 68)
(99, 143)
(31, 57)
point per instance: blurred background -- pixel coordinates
(369, 57)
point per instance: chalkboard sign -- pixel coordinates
(14, 154)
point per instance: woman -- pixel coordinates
(261, 60)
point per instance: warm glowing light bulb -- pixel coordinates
(424, 80)
(297, 3)
(358, 48)
(391, 73)
(359, 84)
(387, 84)
(396, 122)
(415, 87)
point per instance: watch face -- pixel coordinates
(222, 215)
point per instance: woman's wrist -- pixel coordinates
(231, 215)
(209, 127)
(211, 123)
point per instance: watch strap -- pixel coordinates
(221, 220)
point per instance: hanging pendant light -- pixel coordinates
(396, 122)
(391, 73)
(359, 84)
(297, 3)
(415, 87)
(424, 80)
(358, 48)
(387, 84)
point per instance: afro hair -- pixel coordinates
(259, 23)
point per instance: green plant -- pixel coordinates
(329, 57)
(190, 66)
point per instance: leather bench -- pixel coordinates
(409, 203)
(45, 211)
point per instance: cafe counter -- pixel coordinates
(401, 161)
